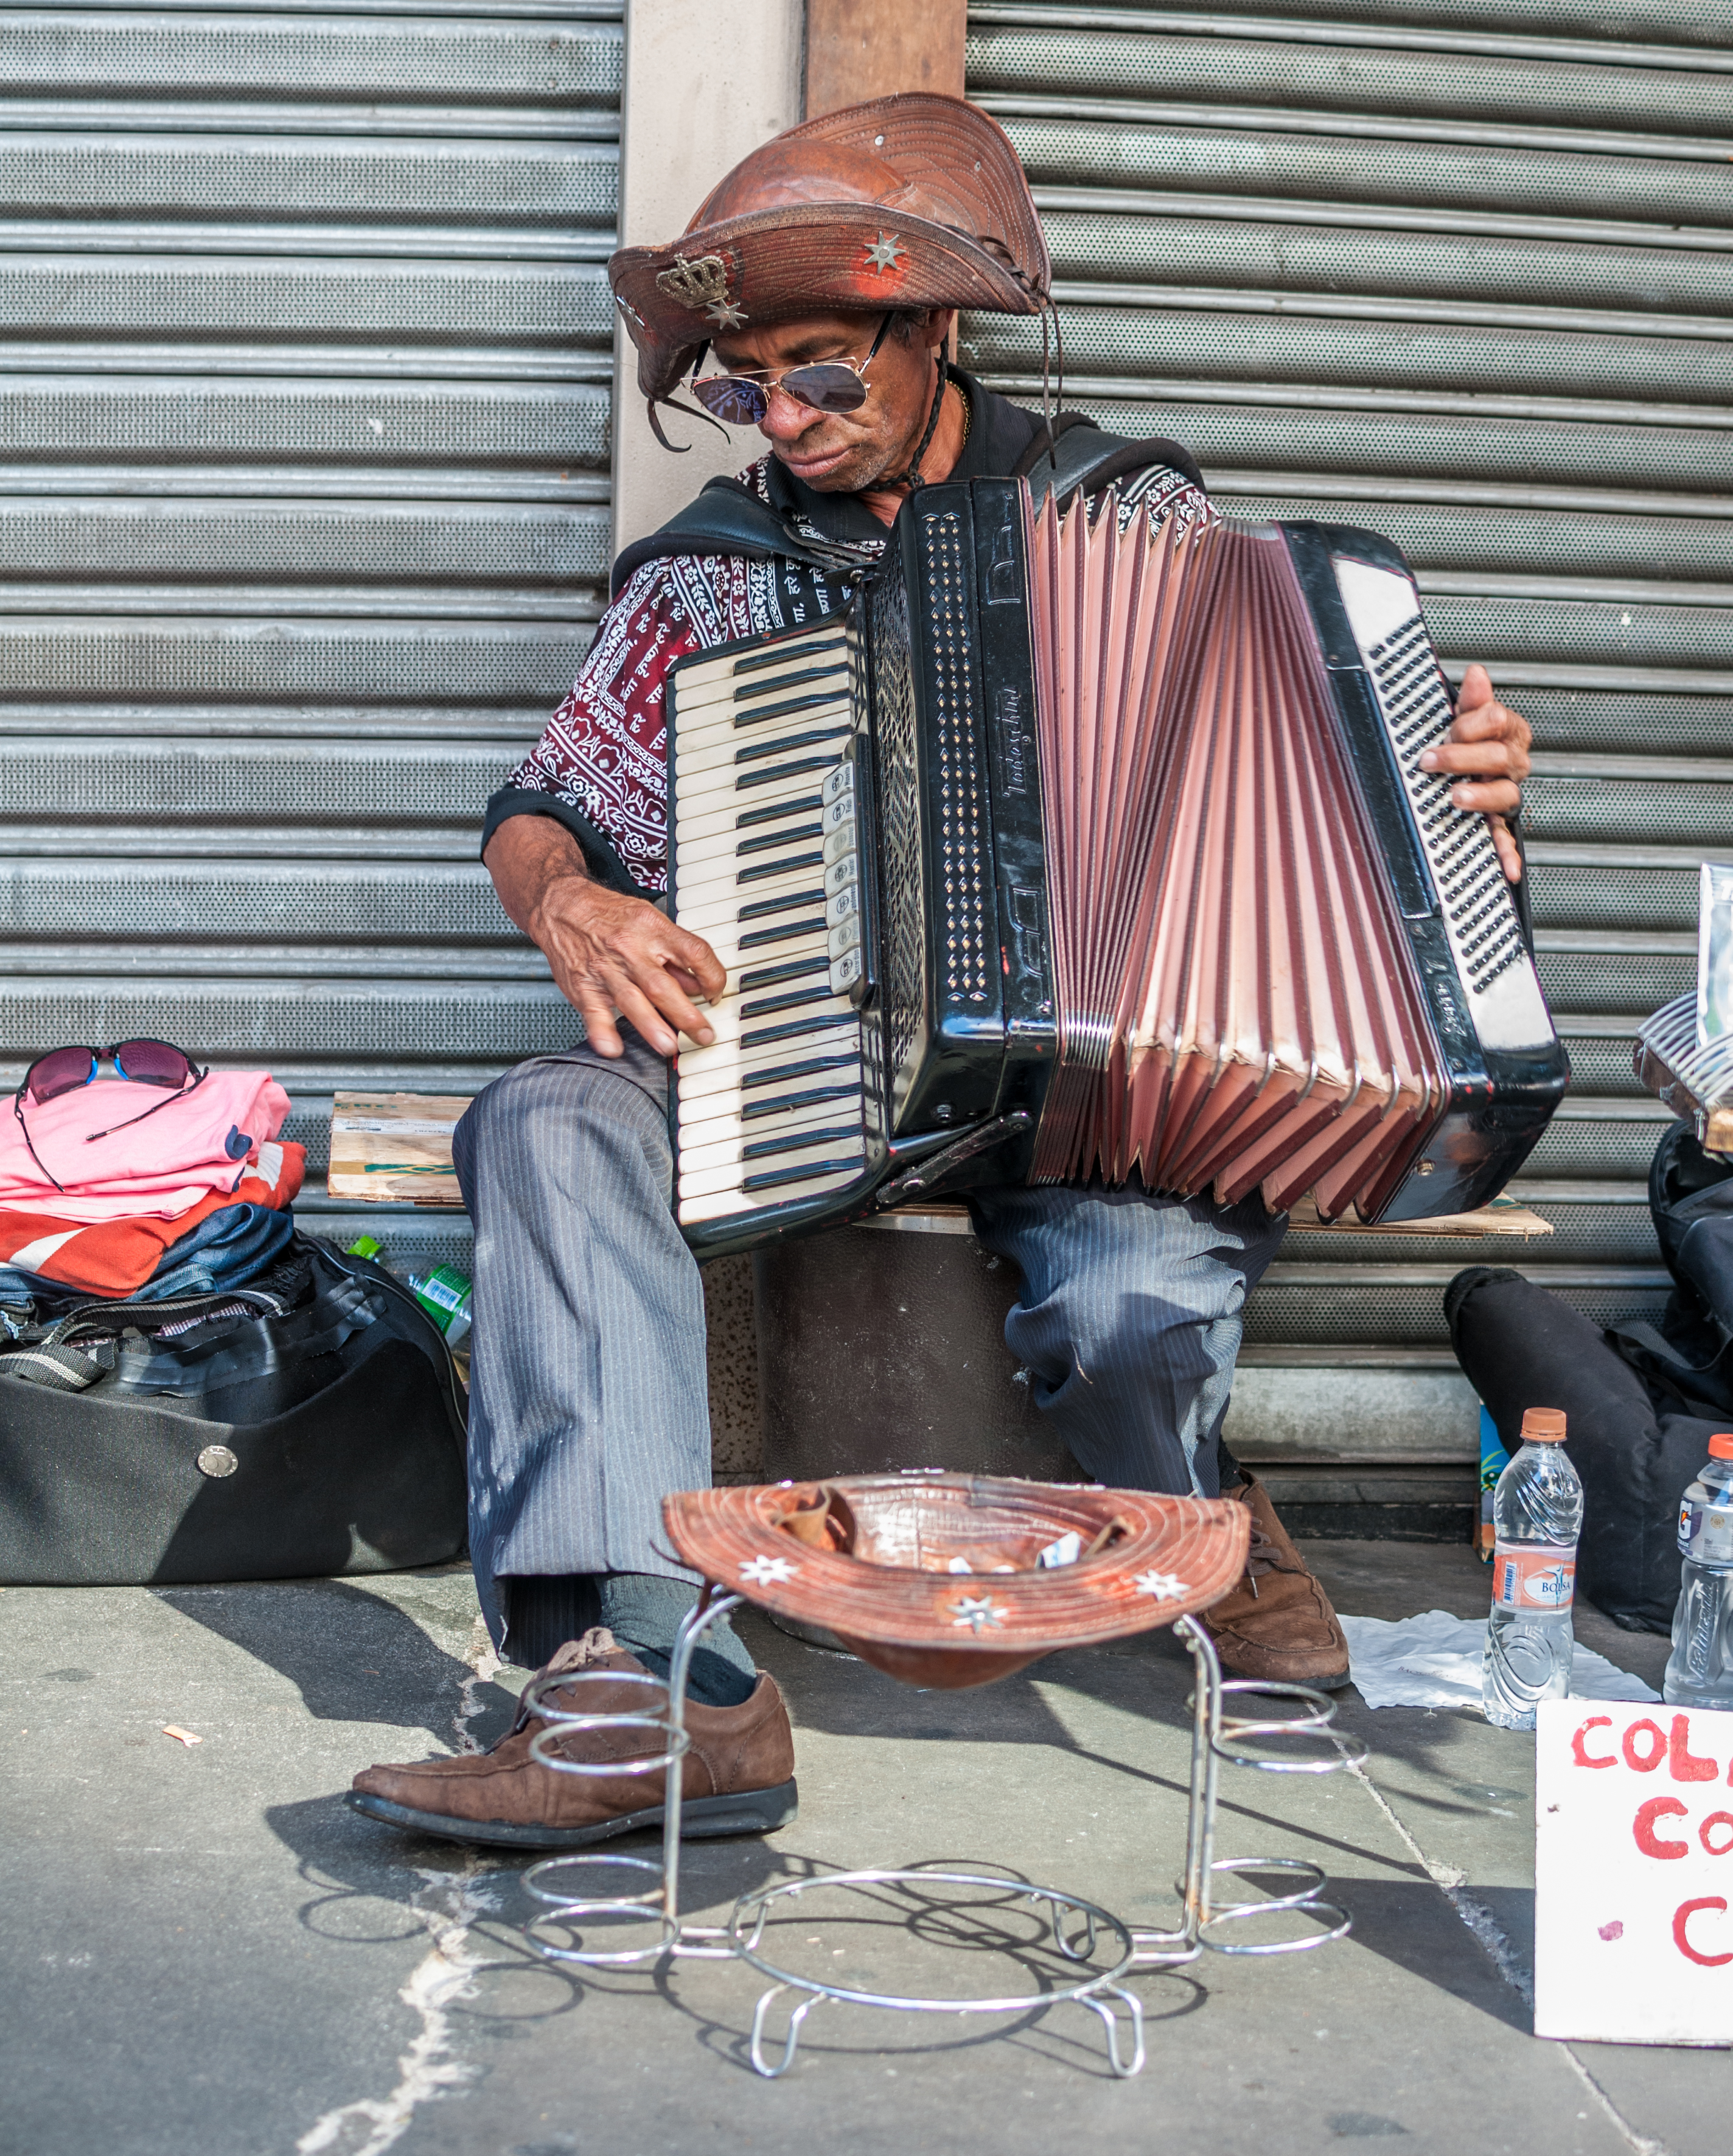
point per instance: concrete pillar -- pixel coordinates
(704, 85)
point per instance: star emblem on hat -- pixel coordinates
(725, 314)
(1165, 1586)
(766, 1571)
(976, 1612)
(887, 253)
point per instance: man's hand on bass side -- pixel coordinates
(1489, 745)
(613, 955)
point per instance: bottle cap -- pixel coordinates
(1543, 1425)
(1721, 1446)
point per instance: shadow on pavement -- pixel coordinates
(1413, 1927)
(353, 1656)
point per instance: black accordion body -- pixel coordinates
(1077, 850)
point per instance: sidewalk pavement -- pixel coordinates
(210, 1955)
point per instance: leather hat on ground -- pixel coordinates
(912, 201)
(953, 1580)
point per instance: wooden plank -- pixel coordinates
(1503, 1217)
(391, 1147)
(861, 48)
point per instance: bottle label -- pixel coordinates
(446, 1287)
(1705, 1531)
(1533, 1576)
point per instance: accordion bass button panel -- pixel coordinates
(764, 860)
(1504, 1001)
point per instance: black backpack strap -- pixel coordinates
(728, 518)
(1085, 459)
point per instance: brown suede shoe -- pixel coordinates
(739, 1775)
(1277, 1621)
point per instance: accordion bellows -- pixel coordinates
(1237, 1003)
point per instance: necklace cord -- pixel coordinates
(911, 478)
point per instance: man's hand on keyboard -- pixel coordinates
(612, 954)
(1490, 745)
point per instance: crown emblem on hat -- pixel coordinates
(702, 284)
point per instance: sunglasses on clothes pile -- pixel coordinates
(65, 1070)
(829, 385)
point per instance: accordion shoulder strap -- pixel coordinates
(728, 518)
(1085, 459)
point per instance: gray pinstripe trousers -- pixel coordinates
(588, 1396)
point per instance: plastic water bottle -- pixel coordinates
(1537, 1516)
(1699, 1669)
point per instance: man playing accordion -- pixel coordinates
(812, 298)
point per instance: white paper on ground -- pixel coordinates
(1434, 1660)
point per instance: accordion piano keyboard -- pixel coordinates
(772, 1110)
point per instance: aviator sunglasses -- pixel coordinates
(829, 385)
(64, 1070)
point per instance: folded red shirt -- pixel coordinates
(117, 1257)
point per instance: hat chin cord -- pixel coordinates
(674, 404)
(1049, 414)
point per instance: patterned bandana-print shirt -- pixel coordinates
(604, 753)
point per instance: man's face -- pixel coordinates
(840, 452)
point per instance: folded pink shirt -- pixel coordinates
(117, 1257)
(201, 1141)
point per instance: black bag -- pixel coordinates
(1641, 1402)
(308, 1423)
(1690, 1352)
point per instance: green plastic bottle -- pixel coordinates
(444, 1294)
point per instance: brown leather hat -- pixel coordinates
(953, 1580)
(912, 201)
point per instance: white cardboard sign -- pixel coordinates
(1634, 1873)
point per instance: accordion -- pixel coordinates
(1076, 850)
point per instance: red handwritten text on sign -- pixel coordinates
(1634, 1873)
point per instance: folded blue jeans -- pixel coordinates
(228, 1248)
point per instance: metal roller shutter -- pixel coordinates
(1461, 270)
(304, 381)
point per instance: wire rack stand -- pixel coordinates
(1218, 1737)
(1100, 1947)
